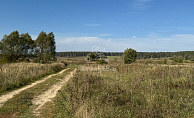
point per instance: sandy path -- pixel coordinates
(40, 100)
(10, 95)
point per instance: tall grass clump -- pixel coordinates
(136, 90)
(15, 75)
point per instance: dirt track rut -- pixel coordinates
(10, 95)
(47, 96)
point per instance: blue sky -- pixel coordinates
(112, 25)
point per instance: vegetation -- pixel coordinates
(93, 56)
(178, 59)
(187, 55)
(150, 87)
(83, 54)
(18, 74)
(101, 61)
(129, 56)
(45, 47)
(17, 47)
(21, 104)
(165, 61)
(135, 90)
(146, 88)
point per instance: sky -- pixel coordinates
(109, 25)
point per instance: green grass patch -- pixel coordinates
(114, 57)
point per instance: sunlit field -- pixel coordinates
(140, 89)
(146, 88)
(15, 75)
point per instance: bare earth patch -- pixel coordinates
(10, 95)
(40, 100)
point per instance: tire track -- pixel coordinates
(47, 96)
(6, 97)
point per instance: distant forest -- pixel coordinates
(187, 55)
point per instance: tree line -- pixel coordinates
(85, 53)
(187, 55)
(20, 47)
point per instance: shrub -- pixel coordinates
(101, 61)
(165, 61)
(186, 61)
(178, 59)
(129, 56)
(93, 56)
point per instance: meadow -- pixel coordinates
(138, 90)
(15, 75)
(151, 88)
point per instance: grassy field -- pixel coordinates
(21, 105)
(145, 89)
(114, 57)
(15, 75)
(141, 90)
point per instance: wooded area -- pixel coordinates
(17, 47)
(187, 55)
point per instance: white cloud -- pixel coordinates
(78, 40)
(80, 43)
(183, 36)
(105, 34)
(176, 42)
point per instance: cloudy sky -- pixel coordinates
(112, 25)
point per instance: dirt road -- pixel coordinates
(10, 95)
(47, 96)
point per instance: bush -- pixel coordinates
(178, 59)
(129, 56)
(101, 61)
(186, 61)
(165, 61)
(93, 56)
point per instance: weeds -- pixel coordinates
(22, 105)
(18, 74)
(136, 90)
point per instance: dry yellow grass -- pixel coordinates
(18, 74)
(133, 90)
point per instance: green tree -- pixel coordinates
(129, 56)
(9, 46)
(45, 47)
(41, 45)
(92, 56)
(15, 46)
(51, 50)
(27, 45)
(1, 47)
